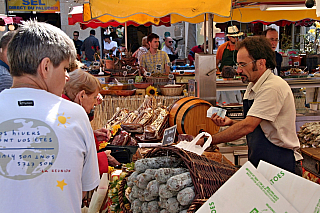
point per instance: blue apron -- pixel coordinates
(260, 148)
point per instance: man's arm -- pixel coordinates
(236, 130)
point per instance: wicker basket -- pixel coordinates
(207, 175)
(171, 91)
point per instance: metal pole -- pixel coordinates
(126, 36)
(205, 34)
(210, 37)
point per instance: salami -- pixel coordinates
(143, 179)
(136, 206)
(173, 205)
(163, 174)
(153, 207)
(186, 196)
(156, 163)
(178, 182)
(164, 191)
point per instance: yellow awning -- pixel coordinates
(159, 8)
(138, 18)
(246, 15)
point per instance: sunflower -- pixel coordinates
(152, 91)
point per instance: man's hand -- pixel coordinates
(200, 142)
(111, 160)
(102, 134)
(221, 121)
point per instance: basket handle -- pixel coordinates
(192, 147)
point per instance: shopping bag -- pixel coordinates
(192, 147)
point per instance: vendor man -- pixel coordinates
(227, 53)
(269, 110)
(155, 60)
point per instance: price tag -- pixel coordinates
(169, 135)
(128, 67)
(171, 76)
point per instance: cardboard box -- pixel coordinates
(247, 191)
(303, 194)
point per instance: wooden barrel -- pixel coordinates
(190, 115)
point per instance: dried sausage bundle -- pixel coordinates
(160, 186)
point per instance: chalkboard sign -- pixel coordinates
(169, 135)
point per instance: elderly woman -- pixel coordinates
(83, 89)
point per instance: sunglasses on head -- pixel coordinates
(170, 41)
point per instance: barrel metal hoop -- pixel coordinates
(175, 117)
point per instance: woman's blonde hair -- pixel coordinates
(81, 80)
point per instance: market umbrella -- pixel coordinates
(78, 15)
(254, 13)
(159, 8)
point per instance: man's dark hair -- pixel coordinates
(107, 36)
(151, 37)
(6, 38)
(259, 47)
(76, 32)
(92, 32)
(264, 33)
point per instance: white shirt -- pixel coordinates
(51, 153)
(274, 104)
(112, 44)
(167, 50)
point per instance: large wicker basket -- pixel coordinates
(207, 175)
(171, 91)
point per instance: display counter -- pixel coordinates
(293, 82)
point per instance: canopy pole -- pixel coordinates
(205, 34)
(126, 36)
(210, 37)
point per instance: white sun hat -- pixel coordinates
(233, 31)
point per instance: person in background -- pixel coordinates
(61, 163)
(193, 51)
(89, 47)
(5, 77)
(269, 110)
(142, 50)
(232, 97)
(77, 43)
(83, 89)
(155, 60)
(169, 49)
(227, 53)
(110, 47)
(272, 35)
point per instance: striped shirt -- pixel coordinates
(155, 63)
(5, 77)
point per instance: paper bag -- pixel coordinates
(247, 191)
(303, 194)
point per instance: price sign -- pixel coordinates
(169, 135)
